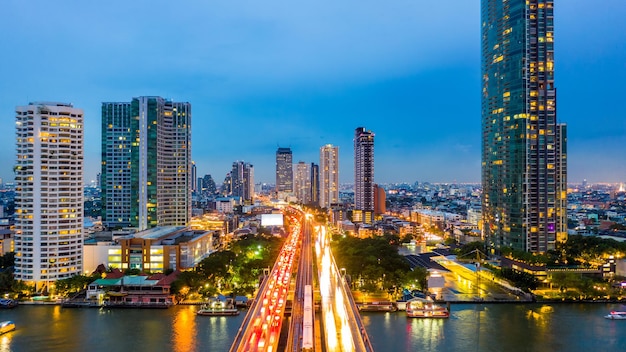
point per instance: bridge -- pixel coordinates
(315, 282)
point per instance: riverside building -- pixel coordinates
(146, 163)
(49, 193)
(524, 170)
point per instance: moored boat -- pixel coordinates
(8, 303)
(383, 306)
(217, 309)
(6, 326)
(426, 308)
(613, 315)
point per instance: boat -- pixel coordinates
(8, 303)
(426, 308)
(217, 309)
(6, 326)
(613, 315)
(382, 306)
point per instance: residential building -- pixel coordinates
(523, 148)
(284, 170)
(302, 182)
(364, 173)
(49, 193)
(146, 163)
(329, 175)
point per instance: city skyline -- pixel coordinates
(306, 75)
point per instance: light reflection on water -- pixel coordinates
(471, 327)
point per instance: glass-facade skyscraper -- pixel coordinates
(284, 170)
(363, 175)
(523, 148)
(146, 163)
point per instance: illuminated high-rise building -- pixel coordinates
(146, 163)
(284, 170)
(329, 175)
(364, 174)
(49, 193)
(302, 182)
(524, 170)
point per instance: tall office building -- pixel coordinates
(284, 170)
(146, 163)
(49, 193)
(329, 175)
(523, 148)
(302, 182)
(315, 184)
(363, 175)
(242, 181)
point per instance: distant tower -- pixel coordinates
(146, 163)
(523, 148)
(315, 184)
(364, 174)
(49, 193)
(302, 182)
(329, 175)
(380, 198)
(284, 170)
(242, 180)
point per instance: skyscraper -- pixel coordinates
(49, 193)
(242, 180)
(302, 182)
(284, 170)
(364, 174)
(146, 163)
(329, 175)
(523, 147)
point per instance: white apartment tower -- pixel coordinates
(49, 193)
(329, 175)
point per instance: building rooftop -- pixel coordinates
(158, 232)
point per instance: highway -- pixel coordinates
(340, 322)
(261, 328)
(301, 329)
(343, 328)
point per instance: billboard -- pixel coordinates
(271, 220)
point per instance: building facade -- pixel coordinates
(315, 184)
(523, 147)
(364, 174)
(146, 163)
(302, 182)
(284, 170)
(242, 181)
(49, 193)
(329, 175)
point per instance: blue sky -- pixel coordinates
(263, 74)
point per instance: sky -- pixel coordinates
(302, 74)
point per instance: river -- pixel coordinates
(471, 327)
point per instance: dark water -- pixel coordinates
(496, 327)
